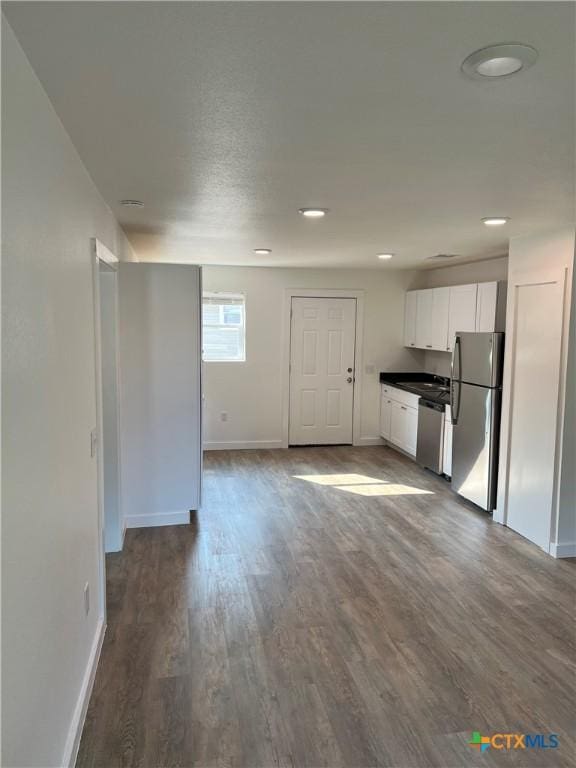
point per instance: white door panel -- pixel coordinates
(537, 338)
(462, 310)
(424, 319)
(410, 319)
(385, 415)
(486, 302)
(440, 312)
(322, 348)
(404, 427)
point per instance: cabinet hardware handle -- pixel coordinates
(403, 408)
(428, 346)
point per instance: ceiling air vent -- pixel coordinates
(443, 256)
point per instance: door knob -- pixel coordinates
(349, 379)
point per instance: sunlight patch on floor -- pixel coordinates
(348, 479)
(364, 485)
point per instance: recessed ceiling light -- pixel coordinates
(132, 203)
(385, 256)
(263, 251)
(495, 221)
(500, 60)
(313, 213)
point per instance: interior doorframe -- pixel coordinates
(315, 293)
(101, 257)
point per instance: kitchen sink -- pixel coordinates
(426, 385)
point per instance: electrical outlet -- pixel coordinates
(223, 415)
(86, 598)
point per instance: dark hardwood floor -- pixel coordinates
(346, 621)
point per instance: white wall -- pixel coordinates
(159, 335)
(545, 253)
(50, 535)
(458, 274)
(251, 392)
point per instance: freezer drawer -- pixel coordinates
(476, 425)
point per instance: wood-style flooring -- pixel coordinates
(305, 620)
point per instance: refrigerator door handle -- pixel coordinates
(457, 351)
(454, 403)
(454, 412)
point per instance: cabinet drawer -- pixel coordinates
(400, 395)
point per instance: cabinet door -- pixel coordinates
(385, 415)
(462, 311)
(424, 319)
(486, 299)
(404, 427)
(439, 324)
(447, 450)
(410, 319)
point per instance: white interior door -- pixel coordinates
(322, 351)
(536, 339)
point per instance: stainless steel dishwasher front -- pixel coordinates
(430, 435)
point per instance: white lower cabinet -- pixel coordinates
(447, 449)
(404, 427)
(399, 418)
(385, 415)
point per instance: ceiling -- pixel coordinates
(226, 117)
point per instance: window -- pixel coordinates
(223, 327)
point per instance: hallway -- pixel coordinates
(330, 607)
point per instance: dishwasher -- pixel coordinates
(430, 443)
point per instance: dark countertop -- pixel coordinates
(409, 382)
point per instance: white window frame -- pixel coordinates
(223, 295)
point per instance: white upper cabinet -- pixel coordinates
(424, 300)
(439, 324)
(490, 307)
(434, 315)
(410, 318)
(462, 311)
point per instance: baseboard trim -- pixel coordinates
(369, 441)
(567, 549)
(157, 519)
(79, 716)
(243, 445)
(274, 444)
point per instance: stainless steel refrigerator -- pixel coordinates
(476, 397)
